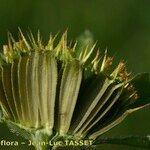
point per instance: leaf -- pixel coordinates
(19, 130)
(135, 141)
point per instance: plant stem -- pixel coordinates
(40, 139)
(41, 147)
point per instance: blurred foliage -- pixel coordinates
(121, 26)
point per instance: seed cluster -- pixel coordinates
(45, 87)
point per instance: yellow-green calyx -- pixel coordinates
(61, 90)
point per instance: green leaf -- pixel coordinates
(134, 141)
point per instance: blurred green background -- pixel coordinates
(123, 26)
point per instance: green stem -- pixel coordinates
(39, 147)
(39, 140)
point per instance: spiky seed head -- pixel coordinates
(43, 83)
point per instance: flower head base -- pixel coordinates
(45, 88)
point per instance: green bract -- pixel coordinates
(56, 91)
